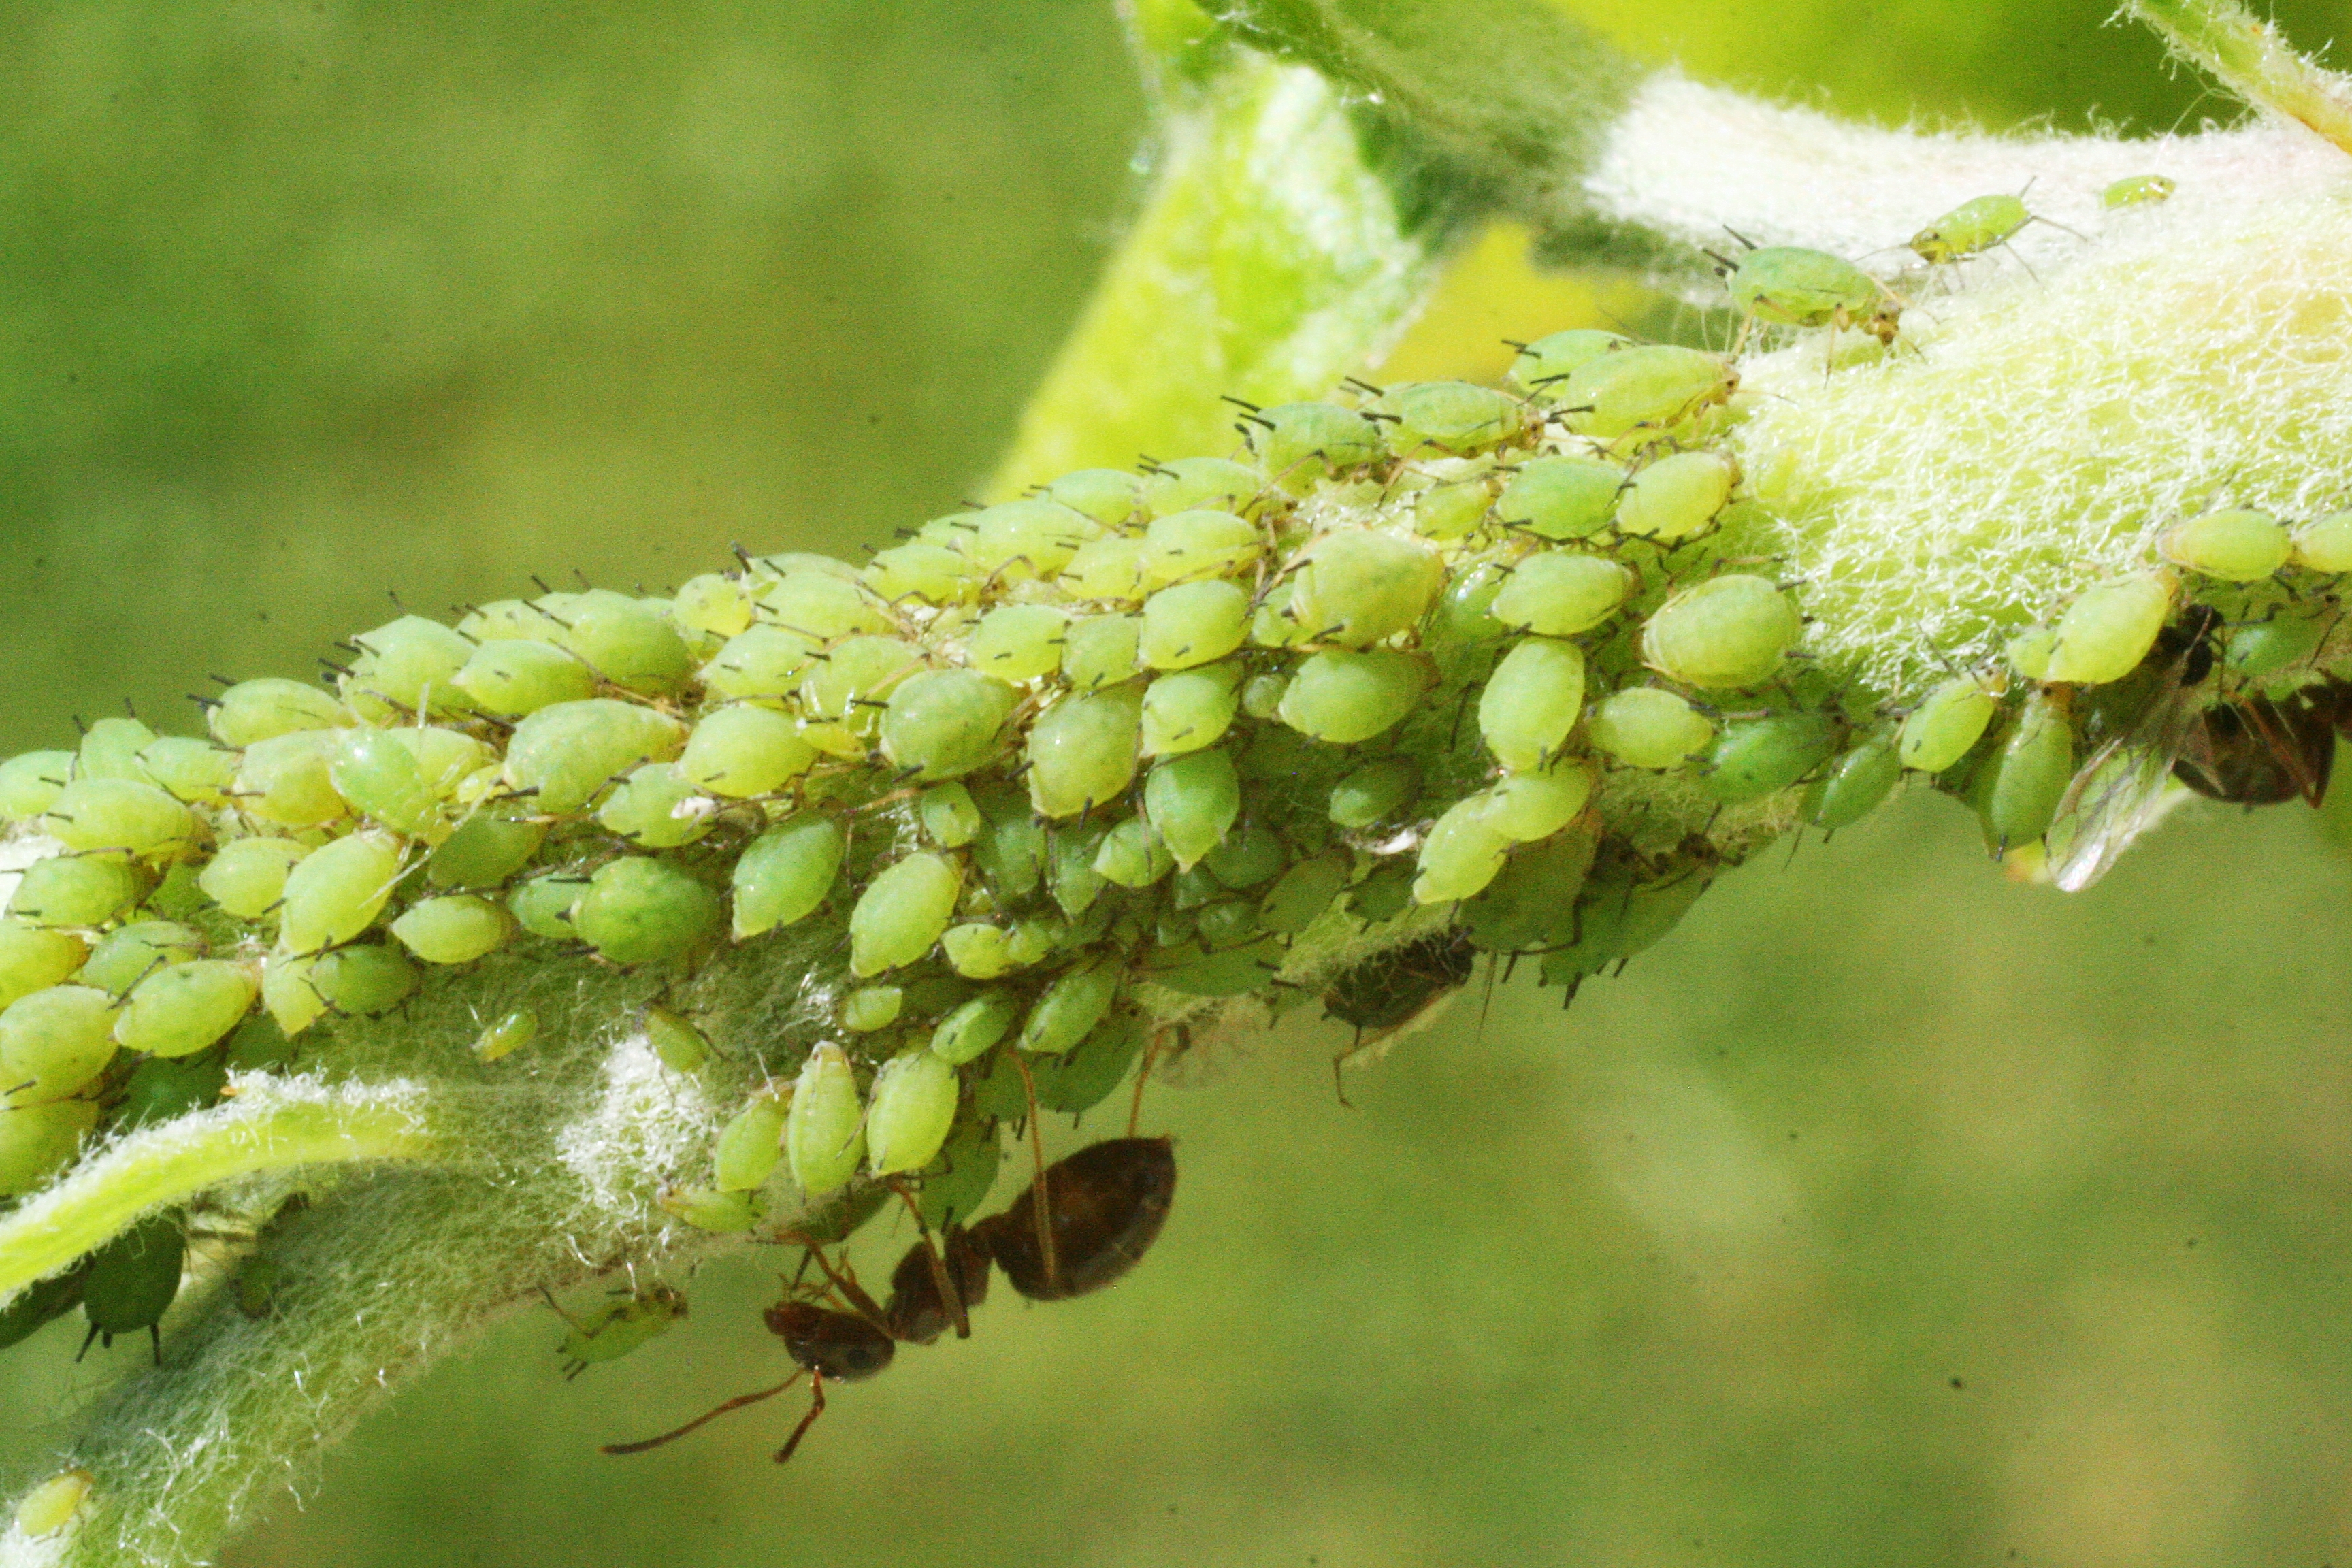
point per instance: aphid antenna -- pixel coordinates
(1242, 404)
(206, 704)
(1357, 384)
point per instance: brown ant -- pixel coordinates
(2256, 751)
(1085, 1222)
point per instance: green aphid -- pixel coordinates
(566, 754)
(289, 992)
(1531, 903)
(37, 1142)
(30, 781)
(1756, 757)
(1192, 801)
(1193, 887)
(32, 958)
(1018, 642)
(2324, 544)
(1726, 632)
(973, 1029)
(1385, 893)
(2138, 190)
(614, 1328)
(1275, 623)
(337, 891)
(132, 1281)
(1452, 510)
(1524, 807)
(1793, 287)
(1096, 1066)
(675, 1041)
(379, 776)
(1973, 228)
(824, 1131)
(128, 954)
(1342, 697)
(1947, 724)
(109, 750)
(447, 760)
(1543, 365)
(1187, 709)
(176, 895)
(1107, 496)
(160, 1089)
(506, 1035)
(958, 1181)
(38, 1305)
(752, 1143)
(715, 604)
(1104, 650)
(1196, 545)
(1450, 417)
(1653, 389)
(1619, 916)
(1375, 792)
(1235, 972)
(1300, 895)
(1357, 586)
(1300, 443)
(484, 851)
(184, 1008)
(119, 816)
(263, 709)
(872, 1007)
(654, 808)
(706, 1208)
(2240, 546)
(1192, 624)
(817, 596)
(909, 1113)
(948, 815)
(903, 911)
(928, 574)
(742, 750)
(413, 663)
(513, 618)
(1108, 569)
(1249, 856)
(286, 781)
(1133, 855)
(195, 773)
(1069, 1008)
(1460, 855)
(1464, 615)
(1531, 702)
(1856, 781)
(74, 890)
(1070, 875)
(1082, 750)
(258, 1045)
(637, 909)
(1561, 593)
(1676, 497)
(1201, 484)
(944, 723)
(2019, 791)
(1561, 498)
(2108, 629)
(363, 979)
(1010, 852)
(1226, 922)
(1644, 727)
(1262, 694)
(1017, 540)
(2272, 643)
(850, 684)
(511, 677)
(456, 928)
(765, 663)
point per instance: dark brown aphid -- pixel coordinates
(1104, 1206)
(1390, 989)
(2256, 751)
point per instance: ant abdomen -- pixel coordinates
(1106, 1203)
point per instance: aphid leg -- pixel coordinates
(941, 1281)
(1043, 1206)
(816, 1409)
(737, 1402)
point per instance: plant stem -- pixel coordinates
(2252, 61)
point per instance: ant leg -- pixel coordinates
(851, 1290)
(816, 1409)
(737, 1402)
(941, 1281)
(1043, 1198)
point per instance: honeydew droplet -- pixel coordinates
(37, 1142)
(263, 709)
(1561, 593)
(903, 911)
(1082, 750)
(1727, 632)
(54, 1042)
(638, 910)
(509, 1035)
(1531, 702)
(30, 781)
(2240, 546)
(824, 1133)
(751, 1143)
(32, 958)
(1947, 724)
(1461, 855)
(913, 1110)
(1343, 698)
(337, 891)
(1357, 587)
(2108, 629)
(456, 928)
(74, 890)
(1644, 727)
(181, 1010)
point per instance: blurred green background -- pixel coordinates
(1889, 1214)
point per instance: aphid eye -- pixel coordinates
(1727, 632)
(1341, 697)
(1644, 727)
(2239, 546)
(637, 909)
(902, 913)
(1530, 703)
(1357, 587)
(2108, 629)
